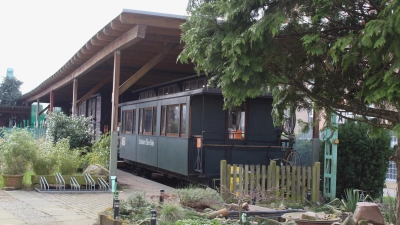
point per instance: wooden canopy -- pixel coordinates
(148, 43)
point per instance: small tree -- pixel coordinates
(362, 160)
(9, 91)
(78, 129)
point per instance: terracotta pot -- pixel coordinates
(14, 181)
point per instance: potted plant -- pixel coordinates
(16, 151)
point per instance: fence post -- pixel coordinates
(223, 183)
(314, 184)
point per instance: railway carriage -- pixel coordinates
(181, 129)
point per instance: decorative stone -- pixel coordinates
(349, 221)
(96, 170)
(368, 211)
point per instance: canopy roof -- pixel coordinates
(149, 44)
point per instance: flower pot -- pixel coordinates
(14, 181)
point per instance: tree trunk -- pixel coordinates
(396, 159)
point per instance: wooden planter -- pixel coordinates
(13, 181)
(105, 220)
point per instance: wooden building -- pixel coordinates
(135, 50)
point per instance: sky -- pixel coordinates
(39, 36)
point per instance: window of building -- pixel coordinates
(196, 84)
(168, 90)
(236, 122)
(147, 94)
(392, 172)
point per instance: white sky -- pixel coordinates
(39, 37)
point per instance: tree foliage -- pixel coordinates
(362, 160)
(9, 91)
(342, 55)
(78, 129)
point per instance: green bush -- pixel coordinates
(68, 161)
(45, 160)
(100, 151)
(170, 213)
(362, 160)
(78, 129)
(17, 149)
(200, 198)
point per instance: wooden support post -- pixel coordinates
(74, 96)
(114, 115)
(115, 94)
(51, 101)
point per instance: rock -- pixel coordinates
(219, 213)
(96, 170)
(349, 221)
(368, 211)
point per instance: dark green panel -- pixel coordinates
(128, 149)
(147, 149)
(173, 154)
(260, 123)
(213, 114)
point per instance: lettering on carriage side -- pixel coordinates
(146, 141)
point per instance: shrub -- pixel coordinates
(68, 161)
(45, 161)
(136, 207)
(362, 160)
(200, 198)
(170, 213)
(100, 151)
(78, 129)
(17, 151)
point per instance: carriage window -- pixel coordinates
(147, 120)
(127, 116)
(123, 121)
(134, 121)
(186, 86)
(202, 83)
(162, 120)
(183, 121)
(173, 119)
(154, 120)
(236, 122)
(140, 121)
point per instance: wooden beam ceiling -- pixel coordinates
(140, 73)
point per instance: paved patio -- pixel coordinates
(31, 207)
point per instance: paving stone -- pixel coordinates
(12, 221)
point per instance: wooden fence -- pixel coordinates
(274, 182)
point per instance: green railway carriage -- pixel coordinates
(181, 129)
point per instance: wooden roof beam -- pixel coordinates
(94, 90)
(142, 71)
(127, 39)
